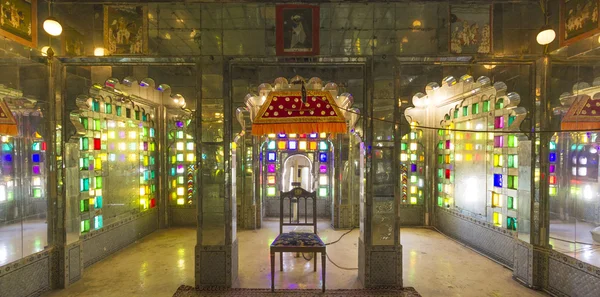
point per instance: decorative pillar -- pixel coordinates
(531, 260)
(379, 249)
(216, 262)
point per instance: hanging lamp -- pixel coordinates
(546, 34)
(51, 24)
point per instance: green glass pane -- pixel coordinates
(97, 124)
(440, 201)
(552, 145)
(84, 122)
(486, 106)
(403, 146)
(456, 113)
(440, 173)
(465, 111)
(119, 110)
(145, 117)
(440, 187)
(108, 108)
(98, 182)
(500, 103)
(512, 141)
(475, 108)
(96, 105)
(87, 225)
(98, 203)
(151, 132)
(37, 192)
(510, 200)
(7, 147)
(84, 205)
(511, 120)
(84, 143)
(440, 159)
(441, 145)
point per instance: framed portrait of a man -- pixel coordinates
(297, 30)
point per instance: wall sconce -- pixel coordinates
(99, 52)
(546, 35)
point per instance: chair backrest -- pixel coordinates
(297, 195)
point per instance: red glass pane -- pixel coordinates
(97, 144)
(152, 203)
(43, 146)
(447, 173)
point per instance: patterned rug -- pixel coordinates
(187, 291)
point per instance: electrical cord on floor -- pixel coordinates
(330, 243)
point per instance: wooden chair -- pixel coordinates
(296, 242)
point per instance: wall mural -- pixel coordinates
(125, 30)
(470, 29)
(578, 20)
(72, 42)
(18, 21)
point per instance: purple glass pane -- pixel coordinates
(499, 122)
(179, 124)
(413, 167)
(271, 168)
(552, 168)
(323, 169)
(36, 169)
(498, 141)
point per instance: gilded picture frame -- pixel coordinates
(578, 20)
(126, 29)
(471, 29)
(18, 21)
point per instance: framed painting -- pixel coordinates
(297, 30)
(73, 42)
(471, 29)
(18, 21)
(578, 20)
(125, 29)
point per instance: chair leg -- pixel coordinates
(323, 262)
(281, 261)
(272, 271)
(315, 257)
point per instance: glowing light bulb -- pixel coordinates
(52, 26)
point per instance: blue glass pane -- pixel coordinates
(498, 180)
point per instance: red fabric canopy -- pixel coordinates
(8, 123)
(284, 112)
(584, 114)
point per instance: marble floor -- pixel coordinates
(22, 239)
(160, 262)
(575, 240)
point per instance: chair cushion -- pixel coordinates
(294, 239)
